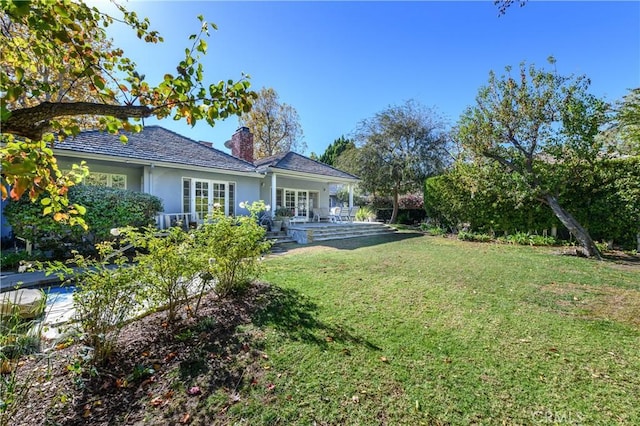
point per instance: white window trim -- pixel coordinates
(210, 183)
(297, 190)
(109, 178)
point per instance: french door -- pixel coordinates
(298, 201)
(202, 197)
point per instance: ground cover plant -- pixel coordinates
(405, 329)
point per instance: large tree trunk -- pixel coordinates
(581, 234)
(394, 214)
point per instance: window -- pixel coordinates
(202, 196)
(299, 202)
(106, 179)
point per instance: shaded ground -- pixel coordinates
(159, 374)
(190, 373)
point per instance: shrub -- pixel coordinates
(18, 337)
(474, 236)
(10, 259)
(106, 208)
(524, 238)
(436, 231)
(411, 201)
(232, 247)
(167, 266)
(106, 295)
(365, 214)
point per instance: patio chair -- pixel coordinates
(321, 213)
(334, 215)
(353, 211)
(344, 214)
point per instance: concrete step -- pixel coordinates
(317, 232)
(352, 235)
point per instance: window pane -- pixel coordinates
(119, 181)
(290, 200)
(186, 196)
(218, 196)
(97, 179)
(202, 199)
(232, 199)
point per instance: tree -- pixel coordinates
(398, 149)
(275, 125)
(503, 5)
(542, 127)
(627, 121)
(334, 150)
(37, 106)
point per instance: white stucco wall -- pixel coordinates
(167, 184)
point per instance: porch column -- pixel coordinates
(350, 195)
(147, 179)
(274, 197)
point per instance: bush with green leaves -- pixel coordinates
(527, 239)
(10, 259)
(606, 201)
(105, 296)
(18, 337)
(232, 247)
(433, 230)
(366, 214)
(474, 236)
(166, 265)
(106, 208)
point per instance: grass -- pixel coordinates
(427, 330)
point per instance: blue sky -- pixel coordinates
(338, 63)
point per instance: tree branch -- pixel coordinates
(35, 121)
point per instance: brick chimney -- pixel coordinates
(241, 144)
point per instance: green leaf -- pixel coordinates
(98, 82)
(45, 201)
(202, 46)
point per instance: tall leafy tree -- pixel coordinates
(397, 150)
(59, 67)
(275, 125)
(335, 149)
(627, 121)
(542, 127)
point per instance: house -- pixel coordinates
(190, 177)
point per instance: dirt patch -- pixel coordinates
(159, 374)
(604, 303)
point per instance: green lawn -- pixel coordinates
(428, 330)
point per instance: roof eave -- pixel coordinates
(140, 162)
(311, 176)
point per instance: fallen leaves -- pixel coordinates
(162, 400)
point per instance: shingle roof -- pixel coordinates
(299, 163)
(155, 143)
